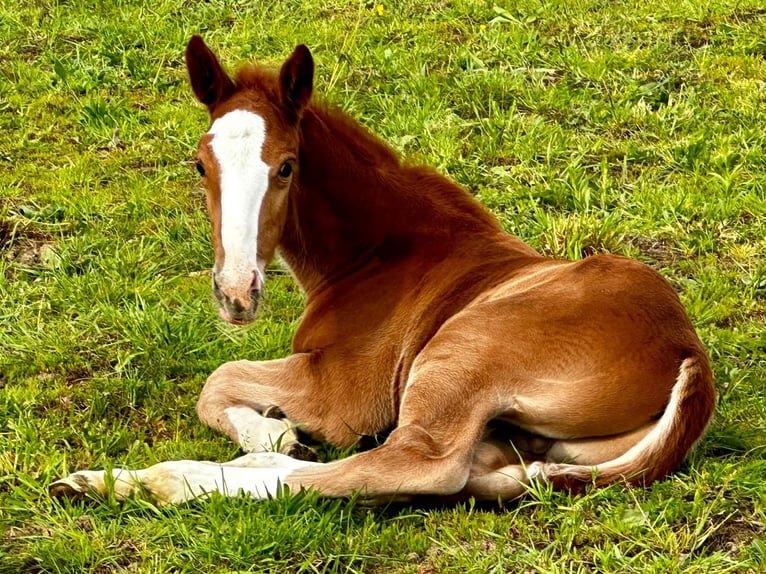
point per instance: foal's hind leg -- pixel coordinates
(500, 465)
(502, 470)
(242, 399)
(499, 473)
(443, 413)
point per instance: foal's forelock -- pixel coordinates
(237, 144)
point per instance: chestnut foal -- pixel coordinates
(492, 364)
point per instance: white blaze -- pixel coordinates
(237, 144)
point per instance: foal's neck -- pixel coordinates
(354, 203)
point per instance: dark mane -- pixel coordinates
(355, 137)
(374, 169)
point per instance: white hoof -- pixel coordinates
(536, 472)
(73, 486)
(93, 482)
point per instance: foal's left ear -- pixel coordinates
(296, 79)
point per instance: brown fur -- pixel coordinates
(422, 315)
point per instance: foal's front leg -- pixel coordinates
(244, 399)
(257, 475)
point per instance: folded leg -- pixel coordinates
(242, 399)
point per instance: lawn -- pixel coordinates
(635, 128)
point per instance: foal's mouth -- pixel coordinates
(235, 312)
(238, 319)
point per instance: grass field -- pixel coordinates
(636, 128)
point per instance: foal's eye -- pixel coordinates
(200, 168)
(286, 170)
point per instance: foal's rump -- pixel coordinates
(575, 350)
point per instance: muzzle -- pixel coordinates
(238, 305)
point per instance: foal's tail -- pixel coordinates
(685, 419)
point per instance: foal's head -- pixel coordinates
(247, 160)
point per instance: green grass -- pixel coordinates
(627, 127)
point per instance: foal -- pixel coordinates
(492, 364)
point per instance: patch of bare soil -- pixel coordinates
(29, 252)
(25, 247)
(659, 252)
(734, 536)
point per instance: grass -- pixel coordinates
(626, 127)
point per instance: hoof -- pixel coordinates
(536, 472)
(301, 452)
(73, 486)
(273, 412)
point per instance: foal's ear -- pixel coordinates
(296, 79)
(208, 79)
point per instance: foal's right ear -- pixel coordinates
(208, 79)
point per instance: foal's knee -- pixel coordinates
(208, 400)
(209, 406)
(216, 394)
